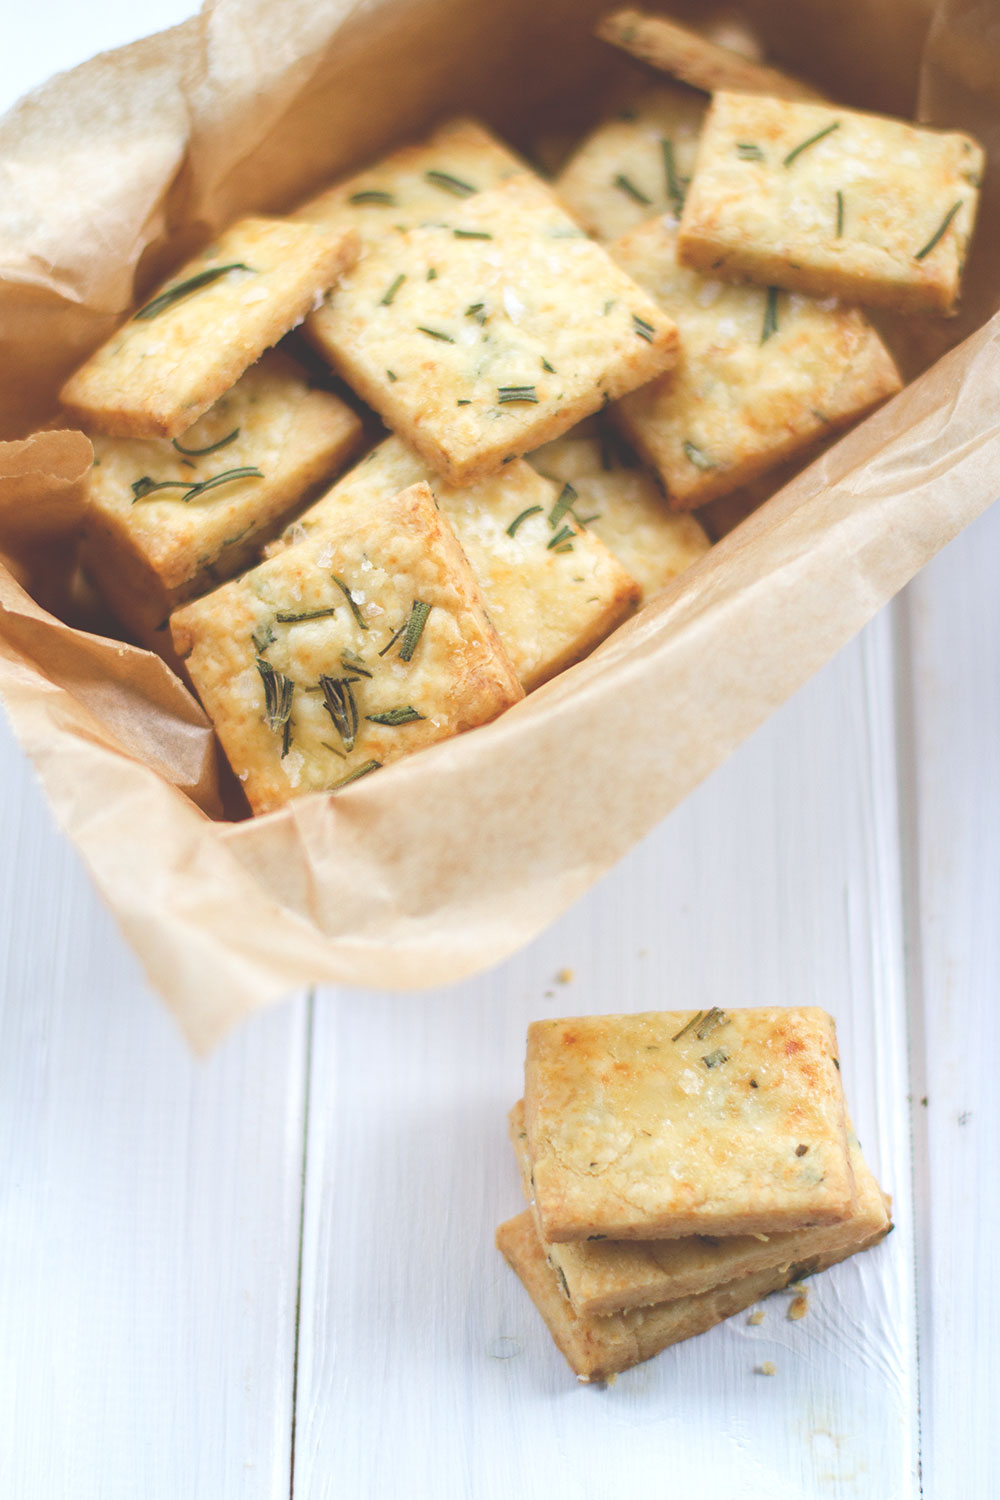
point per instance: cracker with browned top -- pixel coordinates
(831, 202)
(670, 1123)
(760, 377)
(491, 331)
(189, 344)
(346, 651)
(596, 1347)
(551, 587)
(168, 520)
(606, 1276)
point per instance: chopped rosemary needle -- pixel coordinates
(749, 151)
(626, 186)
(141, 488)
(548, 367)
(840, 213)
(394, 716)
(431, 274)
(450, 184)
(362, 770)
(372, 195)
(476, 310)
(642, 328)
(263, 638)
(391, 376)
(698, 457)
(434, 333)
(472, 234)
(506, 393)
(393, 639)
(338, 700)
(278, 690)
(804, 145)
(355, 611)
(676, 187)
(532, 510)
(146, 486)
(308, 614)
(565, 502)
(695, 1021)
(714, 1017)
(185, 288)
(391, 291)
(716, 1058)
(564, 535)
(940, 231)
(414, 629)
(352, 662)
(224, 442)
(770, 314)
(463, 401)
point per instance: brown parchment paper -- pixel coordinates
(452, 859)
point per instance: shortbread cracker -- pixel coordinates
(345, 651)
(421, 181)
(760, 376)
(486, 334)
(694, 59)
(830, 202)
(625, 507)
(189, 344)
(606, 1276)
(670, 1123)
(596, 1347)
(635, 166)
(551, 587)
(168, 520)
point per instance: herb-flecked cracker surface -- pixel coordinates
(345, 651)
(420, 181)
(670, 1123)
(596, 1347)
(167, 520)
(550, 586)
(489, 332)
(695, 59)
(636, 165)
(625, 507)
(190, 343)
(604, 1276)
(830, 202)
(761, 373)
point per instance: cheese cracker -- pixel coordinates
(345, 651)
(761, 374)
(168, 520)
(485, 334)
(671, 1123)
(551, 587)
(830, 202)
(605, 1276)
(190, 343)
(597, 1347)
(636, 165)
(625, 507)
(694, 59)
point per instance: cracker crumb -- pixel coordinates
(564, 976)
(756, 1318)
(798, 1308)
(767, 1368)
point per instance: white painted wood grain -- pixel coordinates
(951, 719)
(149, 1209)
(423, 1368)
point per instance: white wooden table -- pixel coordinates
(273, 1271)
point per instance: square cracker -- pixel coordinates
(636, 165)
(550, 604)
(606, 1276)
(695, 59)
(181, 351)
(831, 202)
(761, 375)
(419, 181)
(596, 1347)
(625, 507)
(345, 651)
(275, 436)
(670, 1123)
(491, 331)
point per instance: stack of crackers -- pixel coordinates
(680, 1167)
(565, 370)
